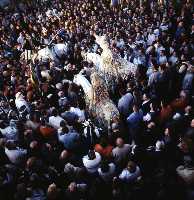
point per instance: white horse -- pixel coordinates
(97, 98)
(55, 52)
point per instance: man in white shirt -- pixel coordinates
(158, 48)
(15, 154)
(20, 39)
(55, 120)
(92, 161)
(107, 171)
(162, 59)
(151, 37)
(10, 132)
(20, 101)
(131, 173)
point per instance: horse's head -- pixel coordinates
(76, 80)
(102, 41)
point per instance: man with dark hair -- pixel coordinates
(69, 138)
(92, 161)
(125, 103)
(134, 121)
(106, 171)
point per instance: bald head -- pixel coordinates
(192, 123)
(31, 162)
(64, 155)
(34, 144)
(119, 142)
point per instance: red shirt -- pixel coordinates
(179, 104)
(165, 113)
(46, 131)
(105, 152)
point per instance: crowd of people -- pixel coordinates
(50, 147)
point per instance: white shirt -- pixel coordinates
(164, 27)
(55, 121)
(20, 40)
(128, 176)
(171, 50)
(173, 59)
(120, 43)
(92, 165)
(162, 60)
(107, 176)
(132, 46)
(10, 133)
(15, 155)
(148, 50)
(21, 102)
(151, 39)
(158, 48)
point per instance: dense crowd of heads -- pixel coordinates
(50, 147)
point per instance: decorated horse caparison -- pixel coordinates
(110, 65)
